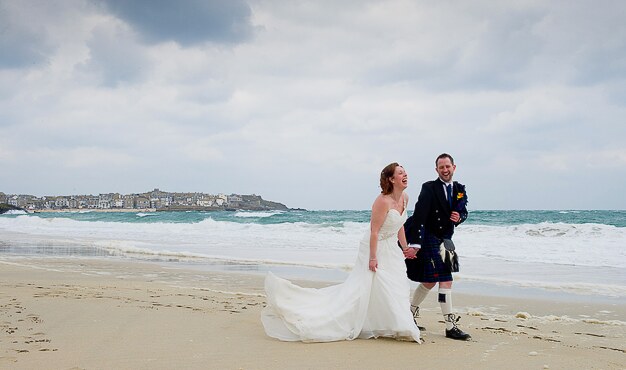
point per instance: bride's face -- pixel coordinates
(400, 178)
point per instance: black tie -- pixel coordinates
(449, 191)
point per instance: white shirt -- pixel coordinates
(445, 191)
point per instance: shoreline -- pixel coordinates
(462, 285)
(51, 248)
(111, 313)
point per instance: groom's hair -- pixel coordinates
(444, 155)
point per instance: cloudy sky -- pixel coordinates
(304, 102)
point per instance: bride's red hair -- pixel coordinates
(385, 175)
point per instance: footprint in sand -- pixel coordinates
(496, 330)
(493, 348)
(35, 319)
(546, 339)
(592, 334)
(7, 360)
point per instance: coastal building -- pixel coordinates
(105, 201)
(234, 200)
(181, 199)
(61, 202)
(82, 202)
(221, 200)
(92, 202)
(104, 204)
(19, 200)
(13, 200)
(128, 201)
(73, 203)
(142, 203)
(160, 199)
(48, 203)
(117, 201)
(155, 203)
(206, 201)
(156, 199)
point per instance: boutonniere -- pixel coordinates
(461, 199)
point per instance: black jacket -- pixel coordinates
(430, 221)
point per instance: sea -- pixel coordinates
(574, 254)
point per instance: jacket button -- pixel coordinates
(438, 219)
(440, 227)
(436, 211)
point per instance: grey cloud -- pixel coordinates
(501, 53)
(616, 93)
(515, 89)
(22, 43)
(115, 57)
(514, 47)
(493, 53)
(586, 38)
(187, 22)
(603, 65)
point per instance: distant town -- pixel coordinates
(155, 200)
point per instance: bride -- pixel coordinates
(374, 299)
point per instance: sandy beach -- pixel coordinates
(58, 313)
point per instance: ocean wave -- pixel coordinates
(15, 212)
(141, 214)
(322, 243)
(312, 244)
(247, 214)
(547, 230)
(553, 243)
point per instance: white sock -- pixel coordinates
(445, 301)
(418, 296)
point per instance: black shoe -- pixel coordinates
(415, 310)
(421, 328)
(455, 332)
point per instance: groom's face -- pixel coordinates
(445, 169)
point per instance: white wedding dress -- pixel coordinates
(366, 305)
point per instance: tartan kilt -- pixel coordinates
(427, 266)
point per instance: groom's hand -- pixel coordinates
(410, 253)
(455, 217)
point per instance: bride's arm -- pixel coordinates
(408, 252)
(402, 239)
(401, 235)
(379, 212)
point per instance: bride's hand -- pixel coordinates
(410, 253)
(373, 264)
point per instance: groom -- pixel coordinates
(440, 207)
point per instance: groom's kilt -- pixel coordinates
(427, 266)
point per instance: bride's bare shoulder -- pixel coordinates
(382, 201)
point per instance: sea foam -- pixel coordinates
(576, 257)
